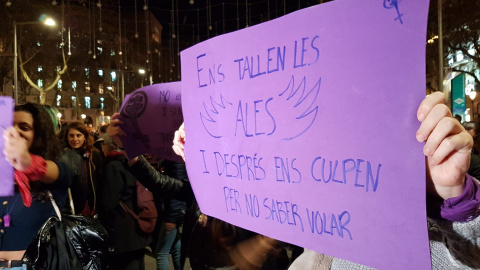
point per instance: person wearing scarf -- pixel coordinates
(31, 147)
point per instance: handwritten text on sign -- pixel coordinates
(303, 129)
(151, 115)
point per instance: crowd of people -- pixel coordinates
(51, 161)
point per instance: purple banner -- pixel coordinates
(6, 181)
(303, 129)
(151, 115)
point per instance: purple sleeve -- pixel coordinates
(464, 207)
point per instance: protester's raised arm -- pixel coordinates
(17, 154)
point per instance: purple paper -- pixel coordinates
(6, 181)
(303, 129)
(151, 115)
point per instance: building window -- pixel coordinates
(113, 74)
(87, 102)
(100, 50)
(102, 104)
(100, 72)
(59, 85)
(74, 85)
(87, 72)
(59, 100)
(40, 83)
(40, 68)
(112, 52)
(74, 101)
(100, 88)
(59, 68)
(87, 87)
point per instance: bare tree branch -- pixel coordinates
(471, 73)
(43, 91)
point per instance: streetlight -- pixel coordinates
(472, 96)
(44, 20)
(142, 72)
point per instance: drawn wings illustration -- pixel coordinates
(302, 104)
(210, 114)
(297, 103)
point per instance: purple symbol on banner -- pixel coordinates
(212, 109)
(133, 109)
(388, 4)
(301, 100)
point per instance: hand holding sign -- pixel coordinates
(150, 117)
(299, 139)
(114, 130)
(16, 149)
(179, 141)
(448, 147)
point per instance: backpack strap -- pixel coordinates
(57, 210)
(128, 210)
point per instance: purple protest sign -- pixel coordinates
(303, 129)
(151, 115)
(6, 120)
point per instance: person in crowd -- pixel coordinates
(31, 147)
(159, 184)
(168, 240)
(118, 186)
(211, 243)
(87, 165)
(453, 196)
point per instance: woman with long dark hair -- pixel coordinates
(31, 148)
(87, 165)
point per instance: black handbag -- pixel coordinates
(68, 242)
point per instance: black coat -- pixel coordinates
(119, 185)
(157, 182)
(86, 173)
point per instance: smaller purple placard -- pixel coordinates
(151, 115)
(6, 116)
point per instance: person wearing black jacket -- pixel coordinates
(119, 185)
(211, 243)
(86, 163)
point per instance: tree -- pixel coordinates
(66, 58)
(461, 28)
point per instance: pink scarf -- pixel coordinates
(34, 172)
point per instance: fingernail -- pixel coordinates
(427, 151)
(421, 117)
(432, 162)
(420, 137)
